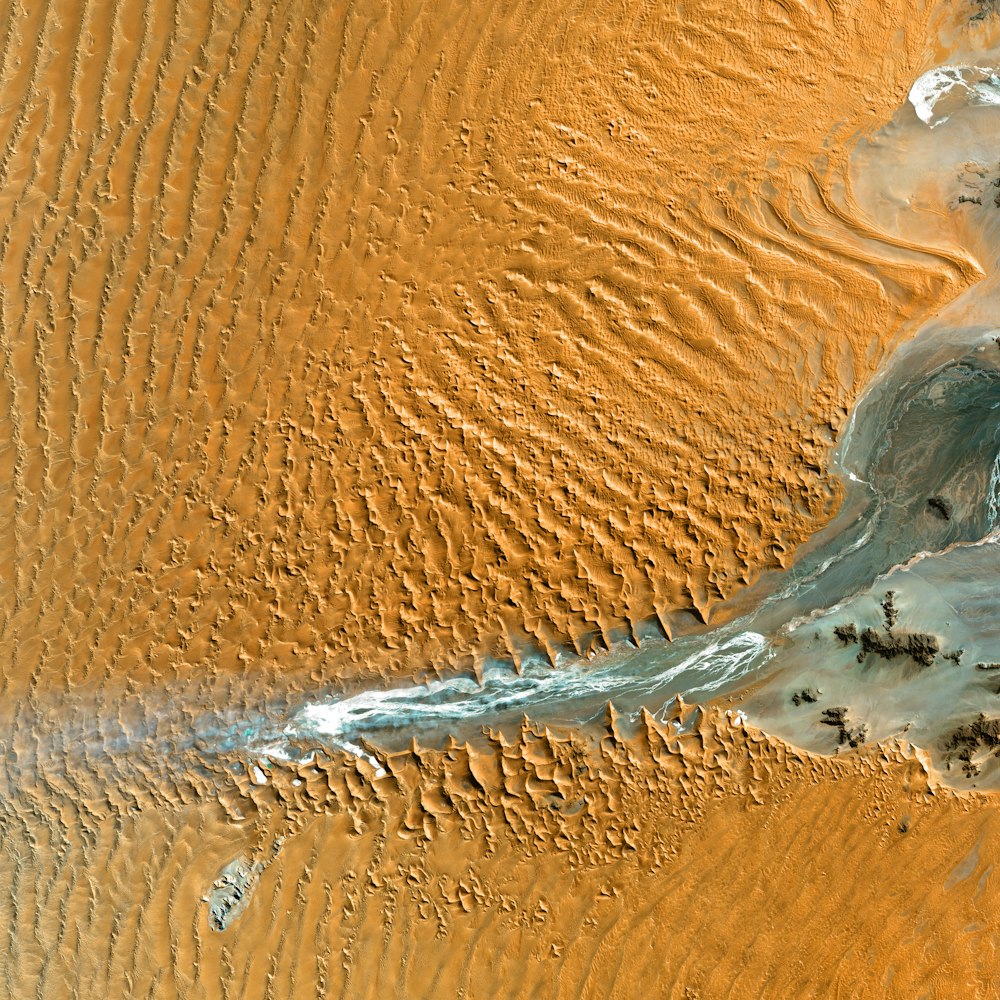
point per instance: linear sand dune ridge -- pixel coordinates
(364, 338)
(712, 862)
(344, 339)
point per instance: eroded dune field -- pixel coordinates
(346, 344)
(542, 867)
(364, 338)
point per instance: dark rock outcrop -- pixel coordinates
(986, 9)
(231, 892)
(889, 611)
(807, 696)
(853, 736)
(846, 633)
(921, 646)
(941, 507)
(967, 740)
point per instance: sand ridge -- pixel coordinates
(370, 338)
(700, 858)
(343, 341)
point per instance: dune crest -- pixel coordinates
(368, 339)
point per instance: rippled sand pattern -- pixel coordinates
(359, 338)
(717, 863)
(346, 340)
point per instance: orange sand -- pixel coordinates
(344, 339)
(720, 863)
(370, 337)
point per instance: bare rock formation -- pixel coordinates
(853, 736)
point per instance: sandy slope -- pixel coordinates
(376, 337)
(717, 863)
(344, 339)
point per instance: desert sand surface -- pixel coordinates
(717, 862)
(380, 338)
(353, 344)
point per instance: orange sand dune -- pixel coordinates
(344, 340)
(717, 863)
(373, 337)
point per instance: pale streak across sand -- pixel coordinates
(729, 653)
(980, 82)
(460, 698)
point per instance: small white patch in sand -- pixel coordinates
(361, 755)
(980, 82)
(278, 753)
